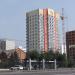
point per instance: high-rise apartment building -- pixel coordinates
(42, 30)
(70, 45)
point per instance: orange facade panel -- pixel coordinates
(55, 33)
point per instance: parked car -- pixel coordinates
(17, 67)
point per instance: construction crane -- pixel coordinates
(63, 29)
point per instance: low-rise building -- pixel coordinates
(21, 54)
(6, 45)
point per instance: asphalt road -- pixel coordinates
(37, 73)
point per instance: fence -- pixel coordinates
(34, 64)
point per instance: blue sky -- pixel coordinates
(12, 15)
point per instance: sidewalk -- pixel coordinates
(3, 70)
(46, 70)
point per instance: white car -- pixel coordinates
(17, 67)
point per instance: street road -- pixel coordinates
(36, 73)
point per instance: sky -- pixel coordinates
(12, 15)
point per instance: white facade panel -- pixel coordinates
(10, 45)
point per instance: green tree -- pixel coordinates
(40, 56)
(47, 56)
(62, 60)
(51, 55)
(70, 62)
(3, 56)
(4, 60)
(13, 60)
(33, 54)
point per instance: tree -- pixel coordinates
(51, 55)
(40, 56)
(70, 62)
(4, 60)
(3, 56)
(13, 60)
(61, 59)
(33, 54)
(47, 56)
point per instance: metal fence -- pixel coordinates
(34, 64)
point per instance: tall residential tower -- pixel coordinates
(70, 45)
(42, 30)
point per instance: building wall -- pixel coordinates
(2, 45)
(42, 30)
(6, 45)
(21, 54)
(70, 44)
(45, 21)
(10, 45)
(32, 20)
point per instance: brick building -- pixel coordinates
(70, 44)
(21, 54)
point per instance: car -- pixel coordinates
(17, 67)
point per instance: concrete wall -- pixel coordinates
(10, 45)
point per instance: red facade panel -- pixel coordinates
(45, 17)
